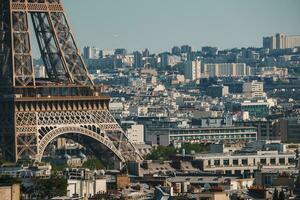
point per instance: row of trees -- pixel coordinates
(40, 188)
(46, 188)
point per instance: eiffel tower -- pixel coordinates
(35, 111)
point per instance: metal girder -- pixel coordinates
(57, 45)
(6, 71)
(49, 47)
(37, 5)
(35, 130)
(32, 115)
(21, 54)
(75, 66)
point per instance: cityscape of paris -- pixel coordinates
(149, 100)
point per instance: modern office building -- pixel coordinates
(226, 70)
(267, 129)
(281, 41)
(138, 62)
(198, 135)
(258, 109)
(244, 163)
(269, 42)
(192, 70)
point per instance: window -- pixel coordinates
(281, 161)
(273, 161)
(226, 162)
(235, 162)
(247, 173)
(237, 172)
(263, 161)
(245, 161)
(217, 162)
(228, 172)
(291, 161)
(158, 139)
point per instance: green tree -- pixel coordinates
(197, 148)
(161, 153)
(52, 187)
(93, 164)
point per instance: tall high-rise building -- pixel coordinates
(281, 41)
(121, 52)
(164, 60)
(168, 60)
(146, 53)
(176, 51)
(91, 53)
(186, 49)
(138, 59)
(269, 42)
(192, 70)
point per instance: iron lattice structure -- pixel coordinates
(34, 111)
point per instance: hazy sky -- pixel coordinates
(161, 24)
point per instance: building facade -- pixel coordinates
(245, 163)
(217, 91)
(166, 137)
(192, 70)
(136, 134)
(226, 70)
(253, 89)
(281, 41)
(259, 109)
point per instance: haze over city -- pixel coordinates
(159, 25)
(151, 100)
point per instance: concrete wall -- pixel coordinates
(10, 192)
